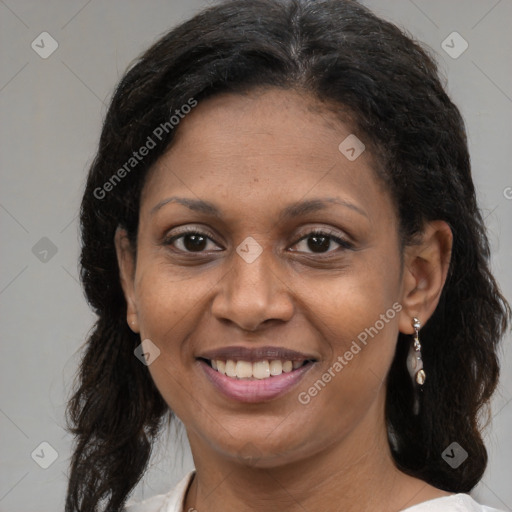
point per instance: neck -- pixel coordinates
(356, 473)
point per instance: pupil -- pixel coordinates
(197, 242)
(317, 245)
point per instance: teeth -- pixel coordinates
(221, 366)
(287, 366)
(259, 370)
(276, 367)
(230, 368)
(243, 369)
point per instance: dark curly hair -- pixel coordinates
(340, 53)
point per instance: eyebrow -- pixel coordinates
(293, 210)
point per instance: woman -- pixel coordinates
(282, 244)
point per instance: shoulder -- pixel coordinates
(170, 502)
(153, 504)
(454, 503)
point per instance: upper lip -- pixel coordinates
(239, 353)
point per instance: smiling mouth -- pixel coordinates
(258, 370)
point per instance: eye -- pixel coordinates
(191, 240)
(319, 241)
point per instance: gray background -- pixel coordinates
(51, 112)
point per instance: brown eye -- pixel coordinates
(194, 242)
(190, 241)
(320, 241)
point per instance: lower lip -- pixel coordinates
(258, 390)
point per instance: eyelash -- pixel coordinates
(316, 232)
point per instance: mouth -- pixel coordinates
(254, 375)
(259, 370)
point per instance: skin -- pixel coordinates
(251, 156)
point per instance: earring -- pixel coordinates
(415, 364)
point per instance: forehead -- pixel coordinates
(264, 120)
(265, 147)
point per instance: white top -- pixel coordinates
(173, 502)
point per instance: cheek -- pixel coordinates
(170, 308)
(352, 382)
(346, 307)
(166, 301)
(165, 309)
(357, 316)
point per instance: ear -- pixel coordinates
(425, 269)
(126, 262)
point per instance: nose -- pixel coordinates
(254, 293)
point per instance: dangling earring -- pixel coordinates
(415, 364)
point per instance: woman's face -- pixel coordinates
(255, 176)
